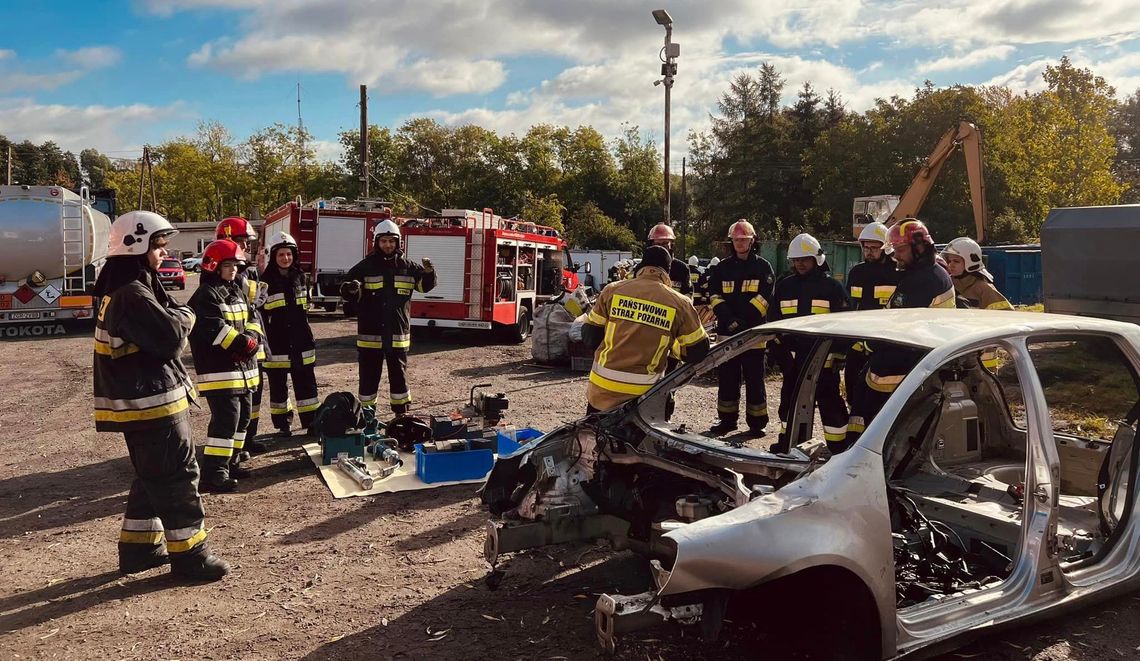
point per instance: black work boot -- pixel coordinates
(723, 427)
(256, 447)
(133, 563)
(238, 471)
(199, 567)
(216, 476)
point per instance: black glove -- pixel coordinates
(244, 347)
(350, 290)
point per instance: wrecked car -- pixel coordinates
(979, 496)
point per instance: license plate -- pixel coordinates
(23, 316)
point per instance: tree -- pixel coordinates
(94, 167)
(589, 228)
(546, 210)
(637, 180)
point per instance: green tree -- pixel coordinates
(589, 228)
(545, 210)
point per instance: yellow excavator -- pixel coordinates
(890, 209)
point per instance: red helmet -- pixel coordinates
(220, 251)
(662, 232)
(742, 229)
(235, 227)
(910, 231)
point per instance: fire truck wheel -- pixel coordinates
(521, 330)
(330, 307)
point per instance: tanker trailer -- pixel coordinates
(52, 244)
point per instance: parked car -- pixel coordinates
(979, 497)
(193, 264)
(171, 274)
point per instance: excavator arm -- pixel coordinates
(966, 137)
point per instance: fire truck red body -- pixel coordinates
(491, 271)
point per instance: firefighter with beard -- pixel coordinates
(292, 349)
(870, 285)
(922, 284)
(807, 291)
(143, 391)
(383, 283)
(225, 358)
(241, 231)
(740, 289)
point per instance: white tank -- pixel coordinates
(48, 229)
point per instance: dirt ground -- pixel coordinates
(379, 577)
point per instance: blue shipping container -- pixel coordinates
(1016, 271)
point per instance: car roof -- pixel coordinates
(930, 328)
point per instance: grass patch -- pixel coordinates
(1088, 388)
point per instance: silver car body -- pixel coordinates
(837, 517)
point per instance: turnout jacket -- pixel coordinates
(678, 277)
(287, 327)
(740, 290)
(640, 319)
(871, 284)
(980, 292)
(802, 295)
(247, 282)
(223, 314)
(387, 282)
(139, 380)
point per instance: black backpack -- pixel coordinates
(338, 415)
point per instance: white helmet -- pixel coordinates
(693, 261)
(970, 252)
(280, 240)
(714, 261)
(877, 232)
(386, 227)
(806, 245)
(132, 232)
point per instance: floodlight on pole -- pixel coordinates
(669, 54)
(662, 17)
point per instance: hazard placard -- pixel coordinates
(50, 294)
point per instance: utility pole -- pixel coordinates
(684, 206)
(9, 165)
(364, 137)
(669, 54)
(301, 135)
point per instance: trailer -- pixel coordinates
(491, 272)
(54, 244)
(1089, 260)
(332, 236)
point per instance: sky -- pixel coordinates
(117, 74)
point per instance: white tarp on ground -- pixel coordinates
(404, 479)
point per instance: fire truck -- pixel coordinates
(332, 236)
(491, 271)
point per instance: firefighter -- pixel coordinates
(740, 289)
(292, 350)
(142, 390)
(870, 285)
(662, 235)
(632, 326)
(922, 284)
(383, 283)
(694, 279)
(809, 290)
(972, 281)
(225, 358)
(241, 231)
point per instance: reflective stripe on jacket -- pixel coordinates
(387, 283)
(222, 316)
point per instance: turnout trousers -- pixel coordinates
(163, 503)
(255, 404)
(301, 368)
(370, 363)
(225, 435)
(748, 366)
(832, 409)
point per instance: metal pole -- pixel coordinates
(364, 137)
(668, 94)
(9, 165)
(684, 206)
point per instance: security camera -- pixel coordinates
(656, 83)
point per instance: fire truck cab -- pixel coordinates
(491, 272)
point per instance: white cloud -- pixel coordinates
(967, 60)
(6, 53)
(327, 150)
(91, 57)
(10, 82)
(79, 62)
(108, 128)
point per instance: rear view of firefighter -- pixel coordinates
(870, 285)
(740, 290)
(632, 327)
(810, 290)
(240, 231)
(694, 280)
(383, 283)
(143, 391)
(662, 235)
(292, 350)
(922, 284)
(225, 358)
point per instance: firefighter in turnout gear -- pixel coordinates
(662, 235)
(971, 279)
(740, 290)
(241, 231)
(694, 280)
(922, 284)
(292, 350)
(810, 290)
(225, 358)
(632, 327)
(143, 391)
(870, 285)
(383, 283)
